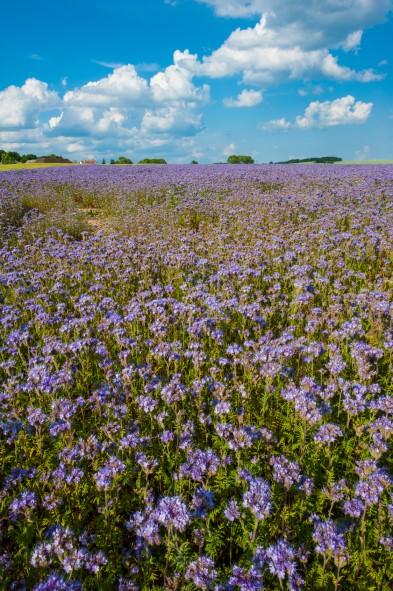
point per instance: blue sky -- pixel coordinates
(200, 79)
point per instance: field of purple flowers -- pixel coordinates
(196, 378)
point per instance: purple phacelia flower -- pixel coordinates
(200, 464)
(281, 560)
(354, 507)
(328, 433)
(146, 403)
(222, 407)
(167, 436)
(383, 403)
(55, 582)
(387, 542)
(146, 527)
(306, 485)
(36, 416)
(305, 402)
(147, 464)
(127, 585)
(355, 402)
(329, 541)
(201, 572)
(246, 580)
(105, 475)
(284, 471)
(371, 489)
(231, 511)
(335, 491)
(172, 512)
(23, 504)
(258, 498)
(364, 468)
(202, 502)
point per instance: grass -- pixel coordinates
(23, 166)
(366, 162)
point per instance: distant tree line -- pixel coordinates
(15, 157)
(126, 160)
(316, 160)
(10, 157)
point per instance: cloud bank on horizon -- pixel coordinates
(127, 112)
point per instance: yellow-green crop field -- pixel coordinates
(366, 162)
(24, 165)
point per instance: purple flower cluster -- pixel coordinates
(201, 572)
(23, 504)
(200, 465)
(281, 558)
(258, 498)
(107, 473)
(72, 553)
(246, 580)
(172, 512)
(285, 472)
(329, 541)
(56, 582)
(328, 433)
(232, 510)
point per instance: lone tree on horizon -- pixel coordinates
(123, 160)
(152, 161)
(238, 159)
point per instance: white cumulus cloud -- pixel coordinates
(316, 23)
(342, 111)
(20, 106)
(280, 124)
(122, 87)
(175, 82)
(247, 98)
(124, 105)
(172, 120)
(263, 54)
(292, 39)
(121, 109)
(352, 41)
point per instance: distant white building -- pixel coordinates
(88, 162)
